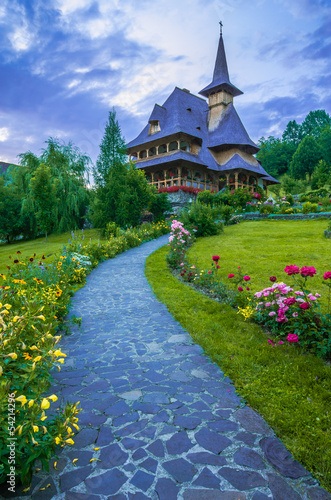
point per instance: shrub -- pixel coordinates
(111, 230)
(202, 217)
(160, 205)
(267, 209)
(206, 197)
(179, 240)
(226, 213)
(309, 208)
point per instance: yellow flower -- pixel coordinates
(38, 358)
(76, 427)
(45, 404)
(57, 440)
(8, 306)
(22, 399)
(61, 360)
(35, 428)
(33, 348)
(53, 397)
(12, 355)
(3, 276)
(73, 259)
(41, 317)
(74, 461)
(58, 353)
(69, 441)
(30, 403)
(15, 318)
(27, 356)
(59, 264)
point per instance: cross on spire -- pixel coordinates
(221, 26)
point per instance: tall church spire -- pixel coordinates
(221, 80)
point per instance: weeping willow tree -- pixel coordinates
(69, 170)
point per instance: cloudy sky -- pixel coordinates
(65, 63)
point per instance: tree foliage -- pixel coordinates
(305, 158)
(43, 192)
(10, 211)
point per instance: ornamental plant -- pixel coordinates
(293, 312)
(179, 241)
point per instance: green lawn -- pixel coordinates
(264, 248)
(40, 246)
(290, 388)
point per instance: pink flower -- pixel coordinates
(246, 278)
(272, 313)
(289, 301)
(231, 276)
(280, 342)
(327, 276)
(218, 267)
(273, 279)
(270, 342)
(268, 304)
(304, 305)
(240, 289)
(307, 271)
(301, 294)
(182, 263)
(292, 270)
(317, 295)
(292, 338)
(295, 315)
(312, 297)
(215, 258)
(208, 272)
(247, 288)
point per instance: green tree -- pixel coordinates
(320, 176)
(275, 155)
(43, 189)
(112, 150)
(305, 158)
(324, 142)
(315, 122)
(292, 133)
(10, 211)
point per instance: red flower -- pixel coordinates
(246, 278)
(218, 267)
(292, 270)
(231, 276)
(215, 258)
(292, 338)
(304, 305)
(320, 203)
(307, 271)
(273, 279)
(240, 288)
(247, 288)
(327, 275)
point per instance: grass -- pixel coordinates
(289, 388)
(264, 248)
(39, 246)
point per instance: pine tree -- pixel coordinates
(112, 150)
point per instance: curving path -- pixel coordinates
(166, 422)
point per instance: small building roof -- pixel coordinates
(5, 165)
(221, 80)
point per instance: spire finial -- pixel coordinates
(221, 27)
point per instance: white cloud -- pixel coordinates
(4, 134)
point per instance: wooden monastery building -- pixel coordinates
(191, 142)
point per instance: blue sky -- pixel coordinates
(65, 63)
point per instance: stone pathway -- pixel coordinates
(167, 423)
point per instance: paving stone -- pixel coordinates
(133, 428)
(207, 479)
(248, 458)
(85, 437)
(212, 441)
(241, 479)
(110, 481)
(166, 489)
(203, 457)
(180, 470)
(91, 418)
(147, 407)
(138, 496)
(252, 421)
(260, 496)
(156, 448)
(178, 443)
(120, 496)
(246, 437)
(148, 432)
(277, 454)
(105, 436)
(318, 493)
(84, 457)
(223, 426)
(70, 479)
(71, 495)
(112, 456)
(125, 419)
(45, 491)
(138, 454)
(129, 467)
(149, 464)
(142, 480)
(117, 409)
(213, 495)
(131, 395)
(100, 385)
(187, 422)
(156, 397)
(280, 489)
(132, 444)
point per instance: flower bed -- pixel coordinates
(175, 189)
(34, 301)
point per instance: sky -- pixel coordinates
(64, 64)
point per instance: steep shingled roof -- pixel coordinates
(231, 131)
(221, 80)
(181, 112)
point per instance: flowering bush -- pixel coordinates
(179, 241)
(175, 189)
(294, 313)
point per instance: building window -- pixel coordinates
(173, 146)
(143, 154)
(184, 146)
(154, 126)
(152, 152)
(162, 149)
